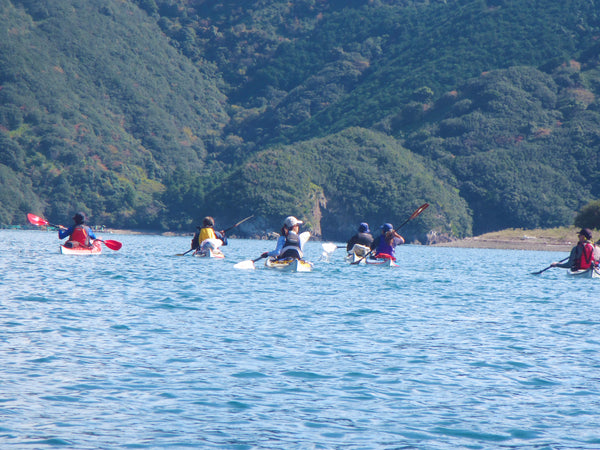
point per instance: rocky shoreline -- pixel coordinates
(554, 239)
(532, 243)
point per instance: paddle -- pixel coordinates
(329, 247)
(113, 245)
(549, 267)
(224, 231)
(237, 224)
(38, 221)
(418, 211)
(249, 263)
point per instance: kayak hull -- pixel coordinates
(381, 262)
(585, 273)
(209, 253)
(95, 249)
(289, 265)
(357, 254)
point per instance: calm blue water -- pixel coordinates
(139, 348)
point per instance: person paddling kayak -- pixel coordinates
(383, 245)
(207, 237)
(362, 237)
(289, 244)
(583, 255)
(79, 234)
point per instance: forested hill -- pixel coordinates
(153, 113)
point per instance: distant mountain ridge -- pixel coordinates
(151, 114)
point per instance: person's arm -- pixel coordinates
(398, 240)
(91, 233)
(221, 235)
(195, 243)
(65, 232)
(571, 262)
(278, 248)
(351, 243)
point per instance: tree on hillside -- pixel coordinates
(589, 216)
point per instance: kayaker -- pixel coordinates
(582, 255)
(206, 236)
(79, 234)
(362, 237)
(383, 245)
(289, 244)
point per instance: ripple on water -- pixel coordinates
(158, 351)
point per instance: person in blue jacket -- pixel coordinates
(289, 244)
(79, 234)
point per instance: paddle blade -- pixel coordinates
(113, 245)
(36, 220)
(419, 210)
(329, 247)
(304, 237)
(247, 265)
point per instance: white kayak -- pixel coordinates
(584, 273)
(209, 248)
(357, 254)
(209, 253)
(289, 264)
(382, 262)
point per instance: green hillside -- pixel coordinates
(152, 113)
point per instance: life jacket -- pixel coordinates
(587, 256)
(80, 235)
(206, 233)
(291, 247)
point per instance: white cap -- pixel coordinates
(291, 221)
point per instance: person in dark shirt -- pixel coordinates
(362, 237)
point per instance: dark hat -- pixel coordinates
(364, 228)
(79, 218)
(387, 227)
(586, 232)
(208, 222)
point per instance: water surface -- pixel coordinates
(139, 348)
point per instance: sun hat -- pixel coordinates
(291, 221)
(586, 232)
(364, 228)
(387, 227)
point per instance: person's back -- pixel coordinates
(363, 237)
(79, 234)
(206, 233)
(583, 255)
(383, 246)
(291, 247)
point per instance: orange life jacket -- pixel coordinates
(81, 236)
